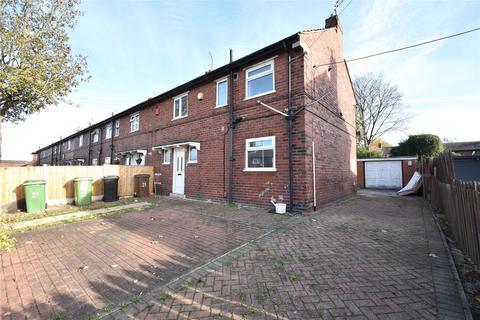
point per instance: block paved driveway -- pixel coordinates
(366, 257)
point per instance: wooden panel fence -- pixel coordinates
(458, 200)
(60, 187)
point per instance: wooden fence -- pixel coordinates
(60, 187)
(458, 200)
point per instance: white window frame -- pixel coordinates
(248, 148)
(108, 131)
(216, 93)
(108, 160)
(169, 156)
(117, 128)
(96, 135)
(95, 162)
(257, 66)
(69, 145)
(180, 109)
(135, 122)
(189, 150)
(80, 141)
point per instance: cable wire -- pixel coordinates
(344, 8)
(399, 49)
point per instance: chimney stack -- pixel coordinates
(331, 22)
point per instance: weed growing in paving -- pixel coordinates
(228, 263)
(259, 248)
(6, 241)
(304, 259)
(58, 316)
(91, 317)
(136, 298)
(123, 305)
(164, 297)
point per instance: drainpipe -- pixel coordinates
(232, 124)
(290, 118)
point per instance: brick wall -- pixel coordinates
(329, 123)
(209, 126)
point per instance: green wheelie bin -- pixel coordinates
(34, 195)
(83, 191)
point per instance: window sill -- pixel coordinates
(135, 131)
(260, 170)
(177, 118)
(192, 162)
(166, 164)
(259, 95)
(223, 106)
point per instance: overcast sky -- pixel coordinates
(137, 50)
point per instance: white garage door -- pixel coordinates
(383, 174)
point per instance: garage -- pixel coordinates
(385, 173)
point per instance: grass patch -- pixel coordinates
(56, 211)
(7, 243)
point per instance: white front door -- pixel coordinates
(178, 170)
(383, 174)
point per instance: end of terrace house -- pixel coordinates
(278, 123)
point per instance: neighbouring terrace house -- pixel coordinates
(278, 123)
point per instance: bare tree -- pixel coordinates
(379, 108)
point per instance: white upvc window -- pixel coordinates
(260, 79)
(180, 106)
(108, 131)
(94, 161)
(107, 160)
(260, 154)
(192, 154)
(135, 122)
(167, 154)
(80, 141)
(69, 145)
(117, 128)
(222, 93)
(95, 135)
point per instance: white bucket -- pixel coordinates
(280, 208)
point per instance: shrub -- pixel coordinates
(364, 153)
(428, 145)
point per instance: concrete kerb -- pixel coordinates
(73, 215)
(453, 268)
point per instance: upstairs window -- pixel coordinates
(80, 141)
(180, 106)
(69, 145)
(117, 128)
(108, 131)
(260, 80)
(135, 122)
(260, 154)
(192, 154)
(222, 91)
(95, 136)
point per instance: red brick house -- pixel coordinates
(245, 132)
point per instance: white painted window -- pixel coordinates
(260, 80)
(260, 154)
(95, 135)
(69, 145)
(94, 161)
(135, 122)
(80, 141)
(192, 154)
(108, 131)
(222, 93)
(107, 160)
(180, 106)
(117, 128)
(167, 154)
